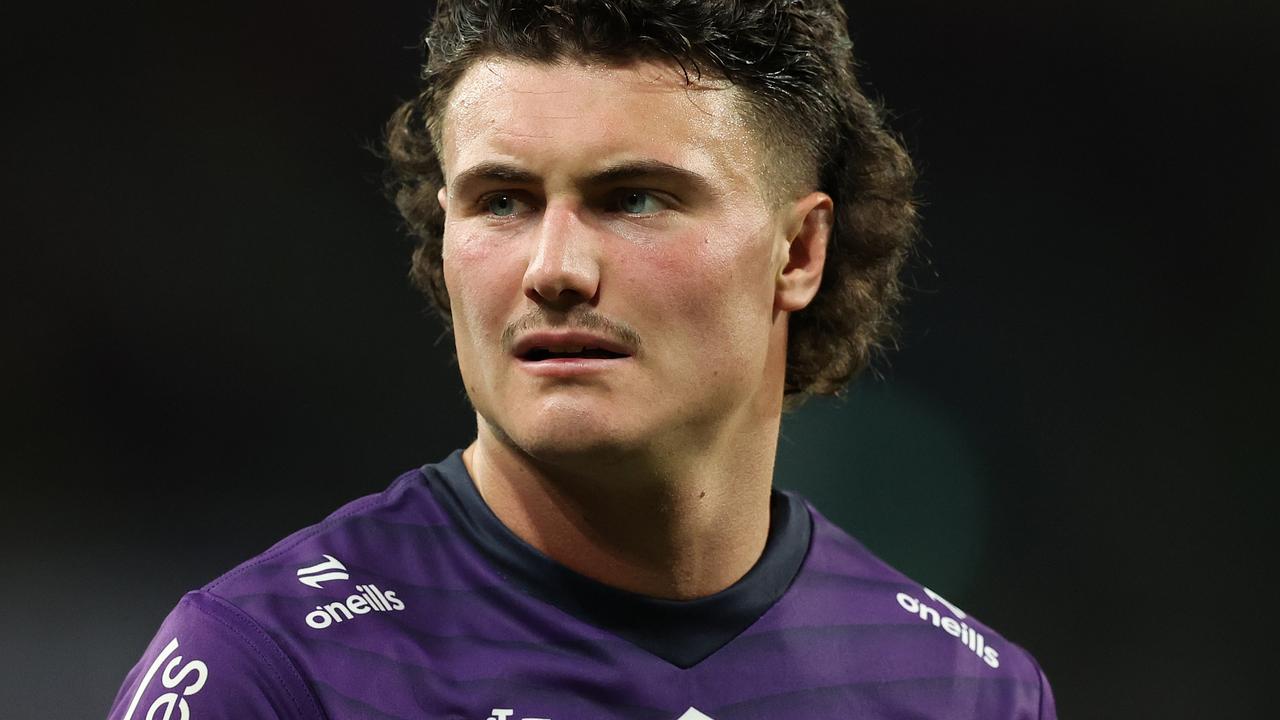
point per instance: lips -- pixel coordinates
(569, 345)
(538, 354)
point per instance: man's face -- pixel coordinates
(610, 256)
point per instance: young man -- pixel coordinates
(649, 224)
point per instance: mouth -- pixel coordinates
(540, 354)
(571, 351)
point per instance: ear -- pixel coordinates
(442, 197)
(800, 260)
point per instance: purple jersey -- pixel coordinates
(418, 602)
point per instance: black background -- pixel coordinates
(209, 340)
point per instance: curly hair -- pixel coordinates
(794, 61)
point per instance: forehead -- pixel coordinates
(569, 114)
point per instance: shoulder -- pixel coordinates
(931, 635)
(211, 659)
(350, 557)
(363, 533)
(237, 646)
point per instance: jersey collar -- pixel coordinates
(682, 632)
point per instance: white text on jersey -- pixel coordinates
(168, 701)
(369, 599)
(953, 627)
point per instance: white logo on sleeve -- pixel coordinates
(329, 570)
(366, 599)
(694, 714)
(953, 626)
(189, 680)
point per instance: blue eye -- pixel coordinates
(502, 205)
(639, 202)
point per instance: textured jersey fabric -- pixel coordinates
(418, 603)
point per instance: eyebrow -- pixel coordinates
(488, 172)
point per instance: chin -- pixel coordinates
(570, 435)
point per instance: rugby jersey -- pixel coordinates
(417, 602)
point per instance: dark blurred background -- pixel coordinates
(209, 339)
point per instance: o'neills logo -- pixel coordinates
(954, 627)
(370, 599)
(327, 571)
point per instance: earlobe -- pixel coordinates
(442, 197)
(808, 233)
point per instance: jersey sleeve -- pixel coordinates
(211, 661)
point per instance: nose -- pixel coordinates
(564, 269)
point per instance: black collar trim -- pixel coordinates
(682, 632)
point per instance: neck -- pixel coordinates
(679, 528)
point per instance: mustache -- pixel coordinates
(581, 318)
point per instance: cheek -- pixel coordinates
(479, 277)
(719, 283)
(481, 281)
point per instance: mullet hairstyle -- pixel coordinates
(793, 63)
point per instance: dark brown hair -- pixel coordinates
(794, 61)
